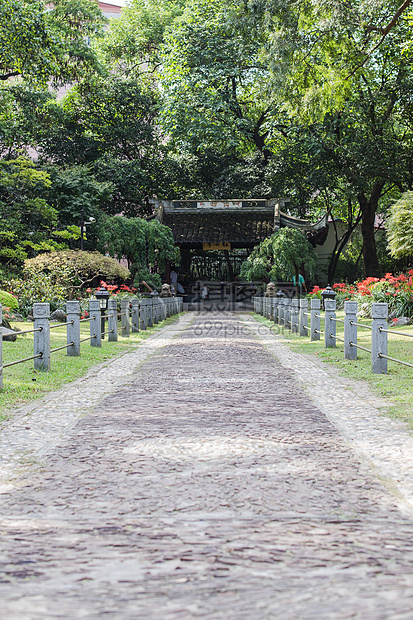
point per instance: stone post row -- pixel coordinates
(144, 312)
(294, 314)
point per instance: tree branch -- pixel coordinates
(385, 31)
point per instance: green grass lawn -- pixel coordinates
(396, 387)
(22, 383)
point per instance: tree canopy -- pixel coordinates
(200, 99)
(280, 257)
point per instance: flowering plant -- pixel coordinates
(396, 291)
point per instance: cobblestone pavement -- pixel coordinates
(206, 486)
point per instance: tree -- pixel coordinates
(146, 245)
(111, 126)
(133, 43)
(344, 71)
(214, 82)
(29, 222)
(74, 189)
(280, 257)
(42, 45)
(400, 227)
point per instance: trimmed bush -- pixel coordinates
(8, 300)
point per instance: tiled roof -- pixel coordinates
(237, 228)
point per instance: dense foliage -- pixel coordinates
(280, 257)
(199, 98)
(400, 227)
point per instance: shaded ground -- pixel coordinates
(208, 487)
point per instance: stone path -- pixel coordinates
(205, 485)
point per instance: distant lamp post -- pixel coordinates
(103, 296)
(328, 293)
(280, 294)
(83, 225)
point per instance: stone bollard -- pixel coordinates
(143, 315)
(281, 313)
(73, 328)
(330, 323)
(315, 319)
(149, 312)
(350, 330)
(41, 315)
(287, 312)
(155, 310)
(294, 315)
(135, 315)
(303, 317)
(125, 317)
(267, 307)
(112, 320)
(95, 333)
(154, 302)
(1, 349)
(163, 309)
(379, 313)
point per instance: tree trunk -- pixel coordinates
(368, 214)
(339, 246)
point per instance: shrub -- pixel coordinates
(39, 289)
(152, 279)
(74, 269)
(8, 300)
